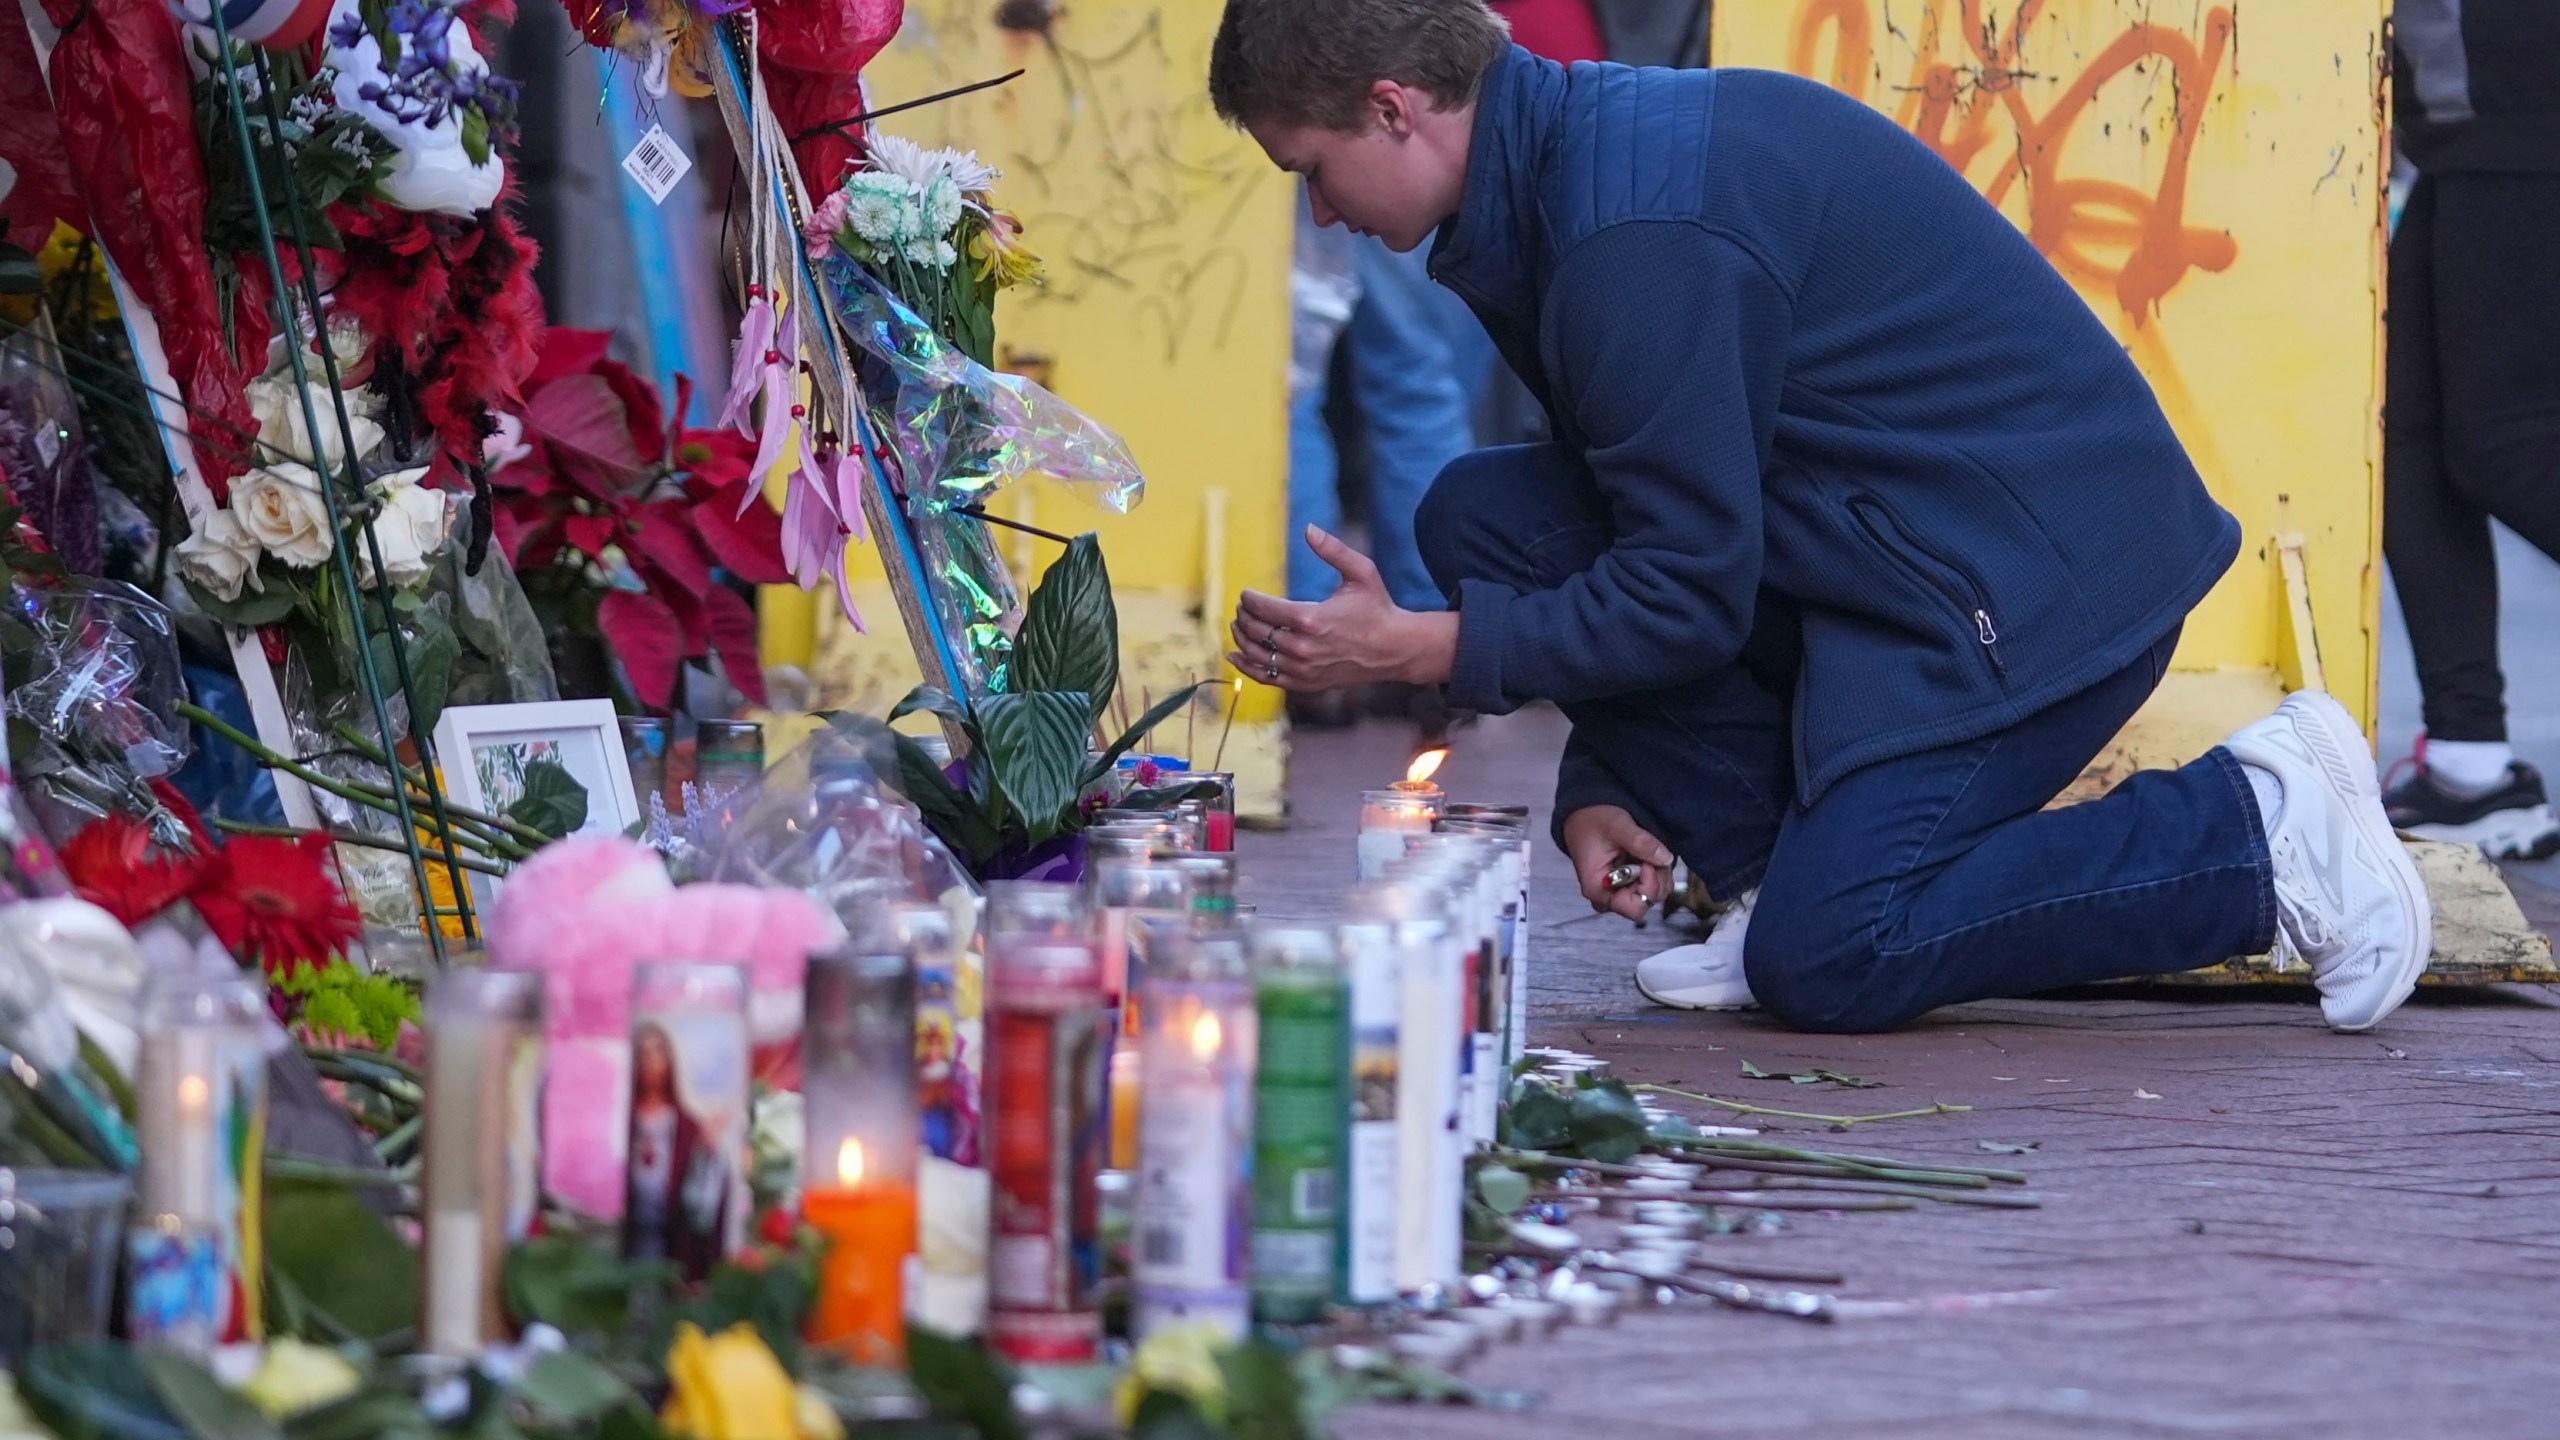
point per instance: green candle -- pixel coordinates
(1301, 1108)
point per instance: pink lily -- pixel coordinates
(755, 338)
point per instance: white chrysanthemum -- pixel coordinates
(923, 250)
(872, 215)
(941, 204)
(897, 156)
(920, 167)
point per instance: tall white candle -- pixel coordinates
(1374, 959)
(484, 1062)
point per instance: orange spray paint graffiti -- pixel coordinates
(2104, 234)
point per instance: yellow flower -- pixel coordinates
(1181, 1360)
(296, 1377)
(1000, 253)
(729, 1387)
(61, 252)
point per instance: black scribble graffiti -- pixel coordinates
(1148, 161)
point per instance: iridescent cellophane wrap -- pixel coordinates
(957, 432)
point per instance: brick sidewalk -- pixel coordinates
(2302, 1234)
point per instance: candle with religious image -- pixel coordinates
(482, 1148)
(1508, 822)
(864, 1133)
(685, 1193)
(1373, 966)
(1302, 1083)
(200, 1107)
(1047, 1035)
(1405, 808)
(1195, 1137)
(1430, 1050)
(1471, 867)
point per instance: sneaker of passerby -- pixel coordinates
(2474, 793)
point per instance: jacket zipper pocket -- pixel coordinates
(1887, 531)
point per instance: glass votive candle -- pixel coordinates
(864, 1133)
(1048, 1036)
(482, 1148)
(1387, 817)
(200, 1103)
(1195, 1139)
(685, 1191)
(1221, 810)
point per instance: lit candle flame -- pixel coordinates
(1206, 1035)
(193, 1094)
(1425, 765)
(849, 1163)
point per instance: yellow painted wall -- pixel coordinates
(1165, 316)
(2210, 178)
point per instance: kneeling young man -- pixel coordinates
(1858, 538)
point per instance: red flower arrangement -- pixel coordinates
(612, 505)
(274, 901)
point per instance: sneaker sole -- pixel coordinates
(2336, 742)
(1668, 1003)
(2528, 834)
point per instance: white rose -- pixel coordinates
(282, 508)
(286, 433)
(409, 529)
(221, 556)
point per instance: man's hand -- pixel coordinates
(1600, 838)
(1359, 637)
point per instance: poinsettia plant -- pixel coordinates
(617, 518)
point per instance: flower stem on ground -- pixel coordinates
(1843, 1121)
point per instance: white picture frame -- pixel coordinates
(477, 744)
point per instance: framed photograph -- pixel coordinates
(493, 756)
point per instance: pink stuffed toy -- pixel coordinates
(588, 912)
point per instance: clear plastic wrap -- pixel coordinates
(823, 824)
(964, 431)
(94, 685)
(957, 433)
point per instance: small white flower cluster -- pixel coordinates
(897, 218)
(908, 200)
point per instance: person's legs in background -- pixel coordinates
(2472, 431)
(1315, 473)
(1405, 381)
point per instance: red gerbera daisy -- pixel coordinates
(277, 901)
(113, 864)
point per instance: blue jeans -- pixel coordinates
(1418, 417)
(1913, 883)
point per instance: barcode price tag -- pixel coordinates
(656, 164)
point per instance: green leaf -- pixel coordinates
(1503, 1188)
(373, 1414)
(201, 1404)
(1538, 1118)
(963, 1382)
(578, 1283)
(433, 651)
(354, 1272)
(1162, 711)
(572, 1387)
(934, 700)
(1035, 750)
(475, 135)
(954, 815)
(95, 1390)
(252, 609)
(774, 1300)
(1163, 1415)
(1165, 797)
(1070, 635)
(1608, 1125)
(1262, 1393)
(553, 801)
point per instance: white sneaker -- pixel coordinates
(1707, 975)
(2348, 899)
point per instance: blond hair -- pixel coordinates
(1312, 62)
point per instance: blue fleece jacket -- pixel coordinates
(1798, 351)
